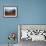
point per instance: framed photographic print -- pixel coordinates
(10, 11)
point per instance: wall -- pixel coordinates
(7, 25)
(29, 12)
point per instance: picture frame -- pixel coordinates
(10, 11)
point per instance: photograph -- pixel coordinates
(10, 11)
